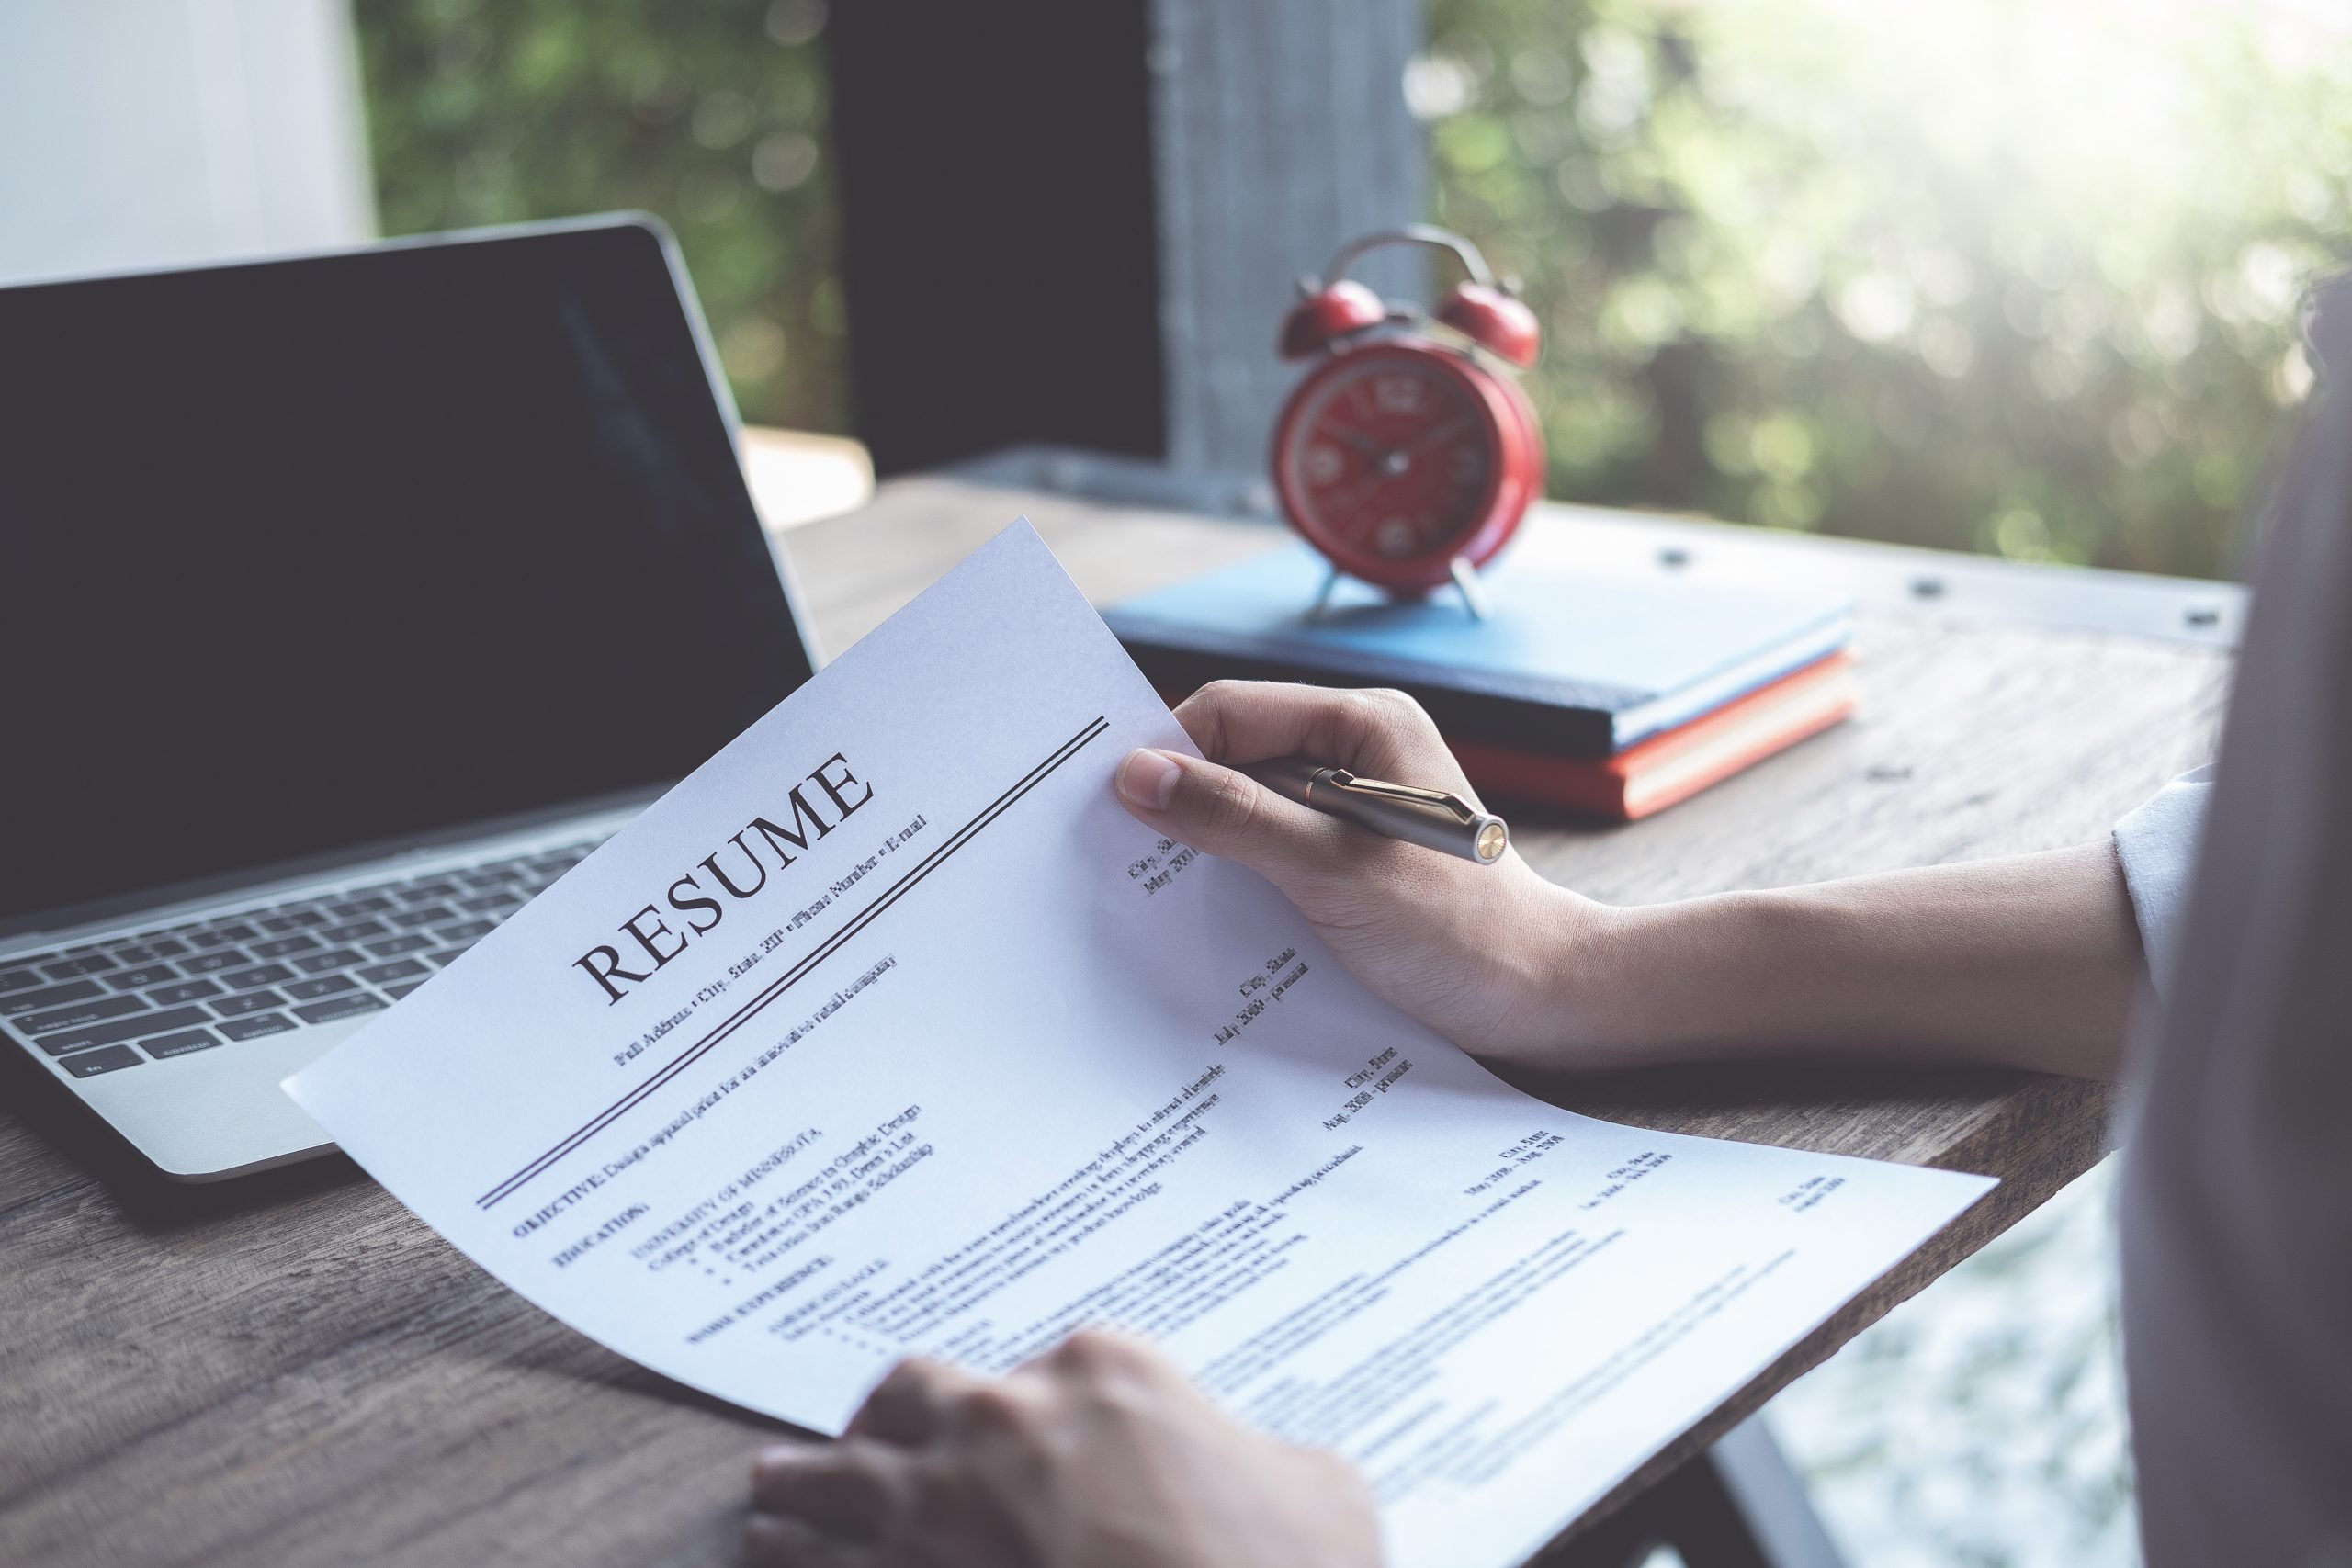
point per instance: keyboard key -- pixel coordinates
(79, 1012)
(116, 1029)
(432, 914)
(138, 953)
(490, 903)
(398, 969)
(144, 975)
(393, 946)
(484, 876)
(302, 990)
(278, 923)
(427, 892)
(279, 947)
(397, 992)
(352, 909)
(208, 938)
(66, 968)
(252, 1026)
(240, 932)
(217, 959)
(339, 1006)
(90, 1063)
(166, 947)
(248, 1001)
(267, 974)
(185, 991)
(180, 1045)
(333, 958)
(355, 930)
(20, 979)
(49, 997)
(307, 916)
(467, 932)
(444, 959)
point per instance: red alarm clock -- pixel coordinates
(1410, 453)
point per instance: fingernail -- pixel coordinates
(778, 1456)
(1148, 779)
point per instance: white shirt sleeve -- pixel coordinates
(2157, 844)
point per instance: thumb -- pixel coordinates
(1225, 813)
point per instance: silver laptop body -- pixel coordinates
(355, 598)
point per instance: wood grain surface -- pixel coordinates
(292, 1370)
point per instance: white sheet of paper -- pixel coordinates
(984, 1061)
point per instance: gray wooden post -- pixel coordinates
(1280, 133)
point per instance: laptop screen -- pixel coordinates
(307, 554)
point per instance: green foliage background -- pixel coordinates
(710, 113)
(2010, 275)
(2005, 276)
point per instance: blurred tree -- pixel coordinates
(710, 113)
(2010, 277)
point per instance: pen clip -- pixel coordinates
(1452, 805)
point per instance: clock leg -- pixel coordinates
(1466, 579)
(1323, 599)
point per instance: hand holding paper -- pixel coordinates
(890, 1033)
(1098, 1451)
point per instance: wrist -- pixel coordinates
(1619, 988)
(1564, 955)
(1604, 987)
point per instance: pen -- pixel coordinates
(1430, 817)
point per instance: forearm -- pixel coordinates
(2029, 962)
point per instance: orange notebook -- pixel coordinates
(1677, 765)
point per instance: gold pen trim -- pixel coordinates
(1435, 818)
(1443, 799)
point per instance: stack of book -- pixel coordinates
(1612, 696)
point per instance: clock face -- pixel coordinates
(1389, 460)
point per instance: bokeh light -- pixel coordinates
(2017, 276)
(2013, 275)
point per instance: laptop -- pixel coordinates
(351, 599)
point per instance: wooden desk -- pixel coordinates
(292, 1370)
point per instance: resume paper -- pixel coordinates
(888, 1032)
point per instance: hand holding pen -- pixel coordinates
(1462, 943)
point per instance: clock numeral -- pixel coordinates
(1397, 394)
(1324, 464)
(1467, 466)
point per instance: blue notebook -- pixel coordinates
(1565, 663)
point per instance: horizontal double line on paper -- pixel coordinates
(786, 981)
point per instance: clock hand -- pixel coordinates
(1443, 432)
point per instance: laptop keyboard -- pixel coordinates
(103, 1006)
